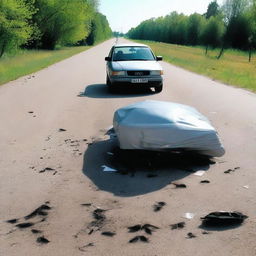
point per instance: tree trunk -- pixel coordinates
(2, 50)
(206, 49)
(250, 54)
(221, 52)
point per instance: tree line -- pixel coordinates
(43, 24)
(231, 25)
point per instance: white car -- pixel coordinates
(133, 64)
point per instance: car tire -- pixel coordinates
(108, 80)
(110, 85)
(158, 88)
(111, 88)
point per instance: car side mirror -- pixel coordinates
(159, 58)
(107, 58)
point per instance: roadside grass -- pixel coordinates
(26, 62)
(232, 68)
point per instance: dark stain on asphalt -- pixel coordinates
(42, 240)
(86, 204)
(190, 235)
(41, 210)
(204, 181)
(98, 214)
(25, 225)
(139, 238)
(36, 231)
(148, 228)
(108, 233)
(179, 225)
(12, 221)
(99, 219)
(232, 170)
(47, 169)
(82, 248)
(135, 239)
(90, 231)
(134, 228)
(158, 206)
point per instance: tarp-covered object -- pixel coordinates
(158, 125)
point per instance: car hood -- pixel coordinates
(136, 65)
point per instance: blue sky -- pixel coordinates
(125, 14)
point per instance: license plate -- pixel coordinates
(139, 80)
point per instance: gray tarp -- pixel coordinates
(158, 125)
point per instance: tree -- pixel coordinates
(212, 10)
(252, 39)
(15, 29)
(239, 31)
(61, 21)
(234, 8)
(181, 29)
(233, 11)
(176, 28)
(212, 34)
(100, 29)
(195, 24)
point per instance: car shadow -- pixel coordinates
(138, 172)
(101, 91)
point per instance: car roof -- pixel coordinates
(130, 44)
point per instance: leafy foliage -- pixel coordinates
(212, 10)
(232, 25)
(239, 31)
(100, 29)
(46, 23)
(15, 29)
(195, 25)
(213, 32)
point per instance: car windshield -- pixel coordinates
(130, 53)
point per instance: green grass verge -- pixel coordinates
(29, 61)
(232, 68)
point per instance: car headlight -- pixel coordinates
(157, 72)
(117, 73)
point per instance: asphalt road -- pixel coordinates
(72, 95)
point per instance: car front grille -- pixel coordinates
(138, 73)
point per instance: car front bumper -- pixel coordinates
(137, 81)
